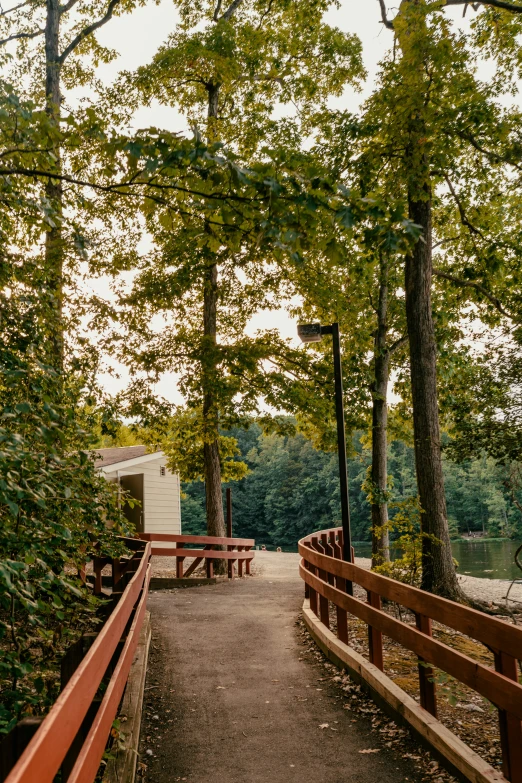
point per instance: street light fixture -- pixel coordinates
(312, 333)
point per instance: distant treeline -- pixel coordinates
(293, 489)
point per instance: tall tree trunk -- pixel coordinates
(212, 465)
(379, 506)
(438, 570)
(53, 191)
(215, 515)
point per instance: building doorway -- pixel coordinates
(134, 486)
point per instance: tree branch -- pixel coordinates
(463, 217)
(67, 7)
(386, 22)
(265, 14)
(19, 36)
(494, 156)
(87, 31)
(14, 8)
(217, 10)
(231, 10)
(397, 344)
(471, 284)
(131, 183)
(506, 6)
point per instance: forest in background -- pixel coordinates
(292, 489)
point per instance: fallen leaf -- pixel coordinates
(370, 750)
(323, 725)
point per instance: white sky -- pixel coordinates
(137, 37)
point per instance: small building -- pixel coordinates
(147, 479)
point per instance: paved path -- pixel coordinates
(230, 697)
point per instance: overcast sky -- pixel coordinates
(137, 36)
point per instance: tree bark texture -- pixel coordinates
(212, 464)
(54, 251)
(379, 474)
(438, 570)
(214, 496)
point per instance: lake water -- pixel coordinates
(489, 559)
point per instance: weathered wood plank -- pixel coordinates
(375, 636)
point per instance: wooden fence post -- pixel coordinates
(324, 614)
(428, 697)
(179, 561)
(374, 636)
(12, 745)
(510, 726)
(340, 583)
(98, 564)
(312, 594)
(229, 531)
(116, 571)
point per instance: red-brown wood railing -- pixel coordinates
(325, 575)
(65, 740)
(238, 550)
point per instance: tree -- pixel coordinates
(75, 21)
(359, 287)
(54, 506)
(428, 96)
(227, 68)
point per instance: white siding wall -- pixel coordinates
(161, 497)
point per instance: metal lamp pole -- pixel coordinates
(312, 333)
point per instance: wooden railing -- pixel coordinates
(73, 736)
(326, 574)
(238, 550)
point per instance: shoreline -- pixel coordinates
(480, 588)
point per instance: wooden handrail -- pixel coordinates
(325, 575)
(493, 686)
(88, 761)
(482, 627)
(45, 753)
(198, 539)
(212, 548)
(208, 554)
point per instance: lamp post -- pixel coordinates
(312, 333)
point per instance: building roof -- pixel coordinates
(118, 454)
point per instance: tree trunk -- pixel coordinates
(438, 570)
(215, 515)
(379, 506)
(53, 191)
(212, 465)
